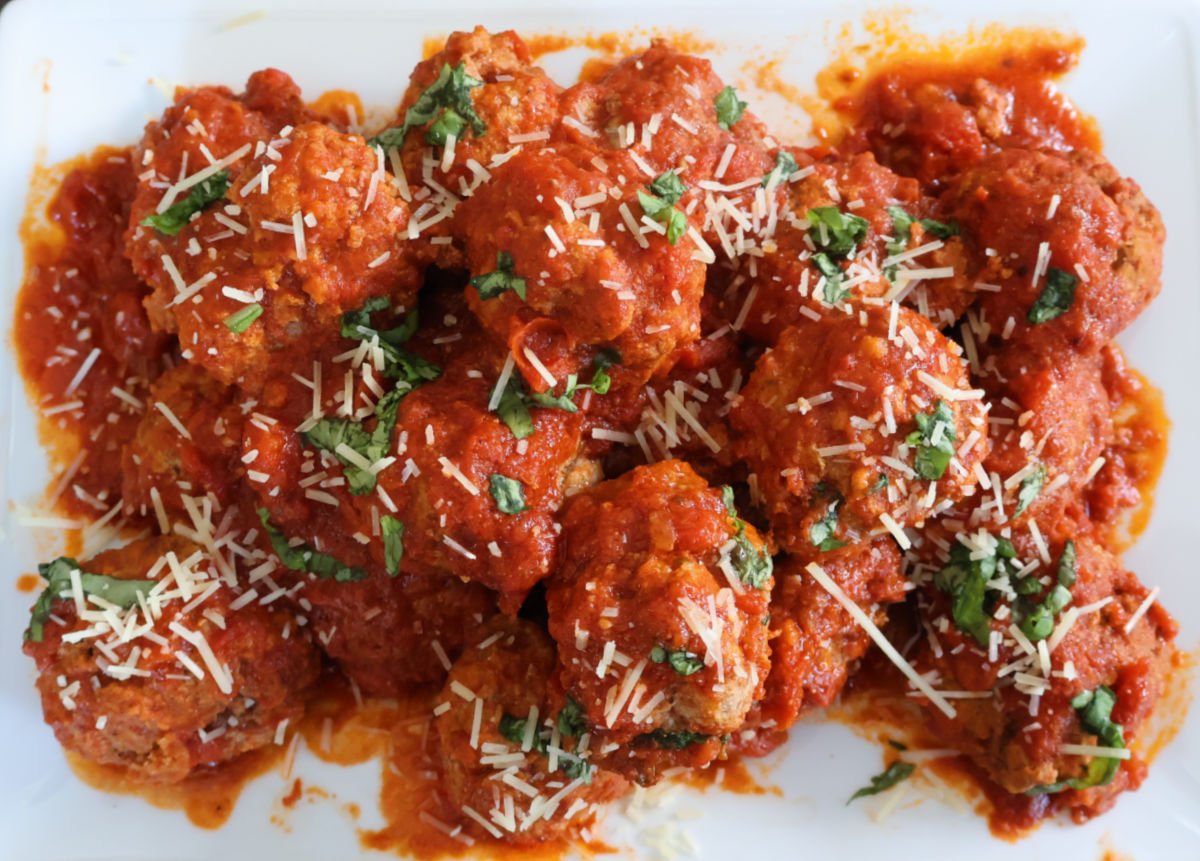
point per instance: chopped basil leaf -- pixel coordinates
(753, 566)
(1056, 298)
(727, 499)
(1031, 486)
(564, 402)
(449, 123)
(660, 205)
(513, 410)
(833, 291)
(393, 543)
(576, 768)
(683, 662)
(571, 719)
(57, 575)
(508, 493)
(446, 103)
(1037, 622)
(1068, 569)
(512, 729)
(604, 359)
(785, 166)
(202, 194)
(492, 284)
(676, 740)
(965, 580)
(392, 138)
(881, 483)
(239, 321)
(821, 533)
(330, 433)
(934, 440)
(836, 232)
(902, 224)
(729, 107)
(407, 368)
(1095, 716)
(668, 187)
(889, 777)
(516, 402)
(304, 558)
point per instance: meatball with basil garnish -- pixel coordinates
(468, 109)
(865, 421)
(849, 231)
(563, 272)
(269, 232)
(658, 609)
(149, 660)
(516, 756)
(1055, 654)
(1066, 251)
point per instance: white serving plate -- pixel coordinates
(1138, 77)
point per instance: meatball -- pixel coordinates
(160, 465)
(1071, 252)
(196, 682)
(1049, 421)
(308, 228)
(815, 643)
(658, 610)
(850, 230)
(501, 719)
(665, 110)
(860, 423)
(702, 381)
(387, 627)
(1025, 626)
(486, 92)
(559, 275)
(930, 121)
(477, 489)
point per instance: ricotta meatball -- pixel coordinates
(339, 555)
(298, 229)
(1038, 626)
(666, 110)
(511, 724)
(851, 231)
(815, 643)
(130, 675)
(1049, 422)
(658, 610)
(1071, 250)
(479, 488)
(559, 273)
(160, 465)
(865, 422)
(466, 109)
